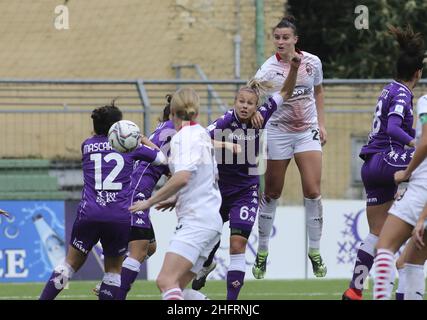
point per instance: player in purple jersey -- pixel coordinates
(102, 213)
(389, 149)
(238, 174)
(142, 241)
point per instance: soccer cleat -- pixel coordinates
(96, 289)
(200, 280)
(352, 294)
(260, 266)
(319, 268)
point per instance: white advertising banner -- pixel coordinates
(344, 226)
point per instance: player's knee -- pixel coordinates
(239, 246)
(272, 194)
(152, 247)
(312, 194)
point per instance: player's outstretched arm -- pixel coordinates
(289, 84)
(175, 183)
(4, 213)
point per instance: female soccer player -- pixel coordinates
(296, 130)
(239, 179)
(405, 214)
(390, 148)
(142, 241)
(103, 211)
(194, 181)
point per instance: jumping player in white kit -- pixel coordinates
(296, 130)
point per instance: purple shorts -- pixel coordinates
(113, 236)
(240, 208)
(378, 175)
(141, 219)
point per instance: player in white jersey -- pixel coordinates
(296, 130)
(195, 182)
(405, 213)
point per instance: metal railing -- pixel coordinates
(50, 118)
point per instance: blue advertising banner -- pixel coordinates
(31, 240)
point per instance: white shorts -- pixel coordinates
(283, 145)
(412, 203)
(194, 244)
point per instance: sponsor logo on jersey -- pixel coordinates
(398, 108)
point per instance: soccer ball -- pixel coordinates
(124, 136)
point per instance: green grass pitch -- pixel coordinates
(215, 290)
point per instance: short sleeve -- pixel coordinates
(220, 124)
(422, 105)
(268, 108)
(400, 105)
(318, 72)
(144, 153)
(185, 152)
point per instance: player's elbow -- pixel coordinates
(183, 178)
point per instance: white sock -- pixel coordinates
(314, 221)
(369, 243)
(267, 212)
(237, 262)
(173, 294)
(415, 282)
(190, 294)
(112, 279)
(131, 264)
(66, 272)
(384, 271)
(402, 280)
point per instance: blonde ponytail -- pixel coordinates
(185, 103)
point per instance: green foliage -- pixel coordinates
(327, 29)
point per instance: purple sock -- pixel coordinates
(53, 287)
(108, 292)
(399, 296)
(127, 278)
(234, 284)
(362, 266)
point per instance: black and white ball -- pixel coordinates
(124, 136)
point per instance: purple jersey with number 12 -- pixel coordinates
(106, 174)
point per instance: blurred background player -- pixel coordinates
(142, 240)
(194, 181)
(239, 180)
(404, 215)
(387, 150)
(103, 211)
(296, 130)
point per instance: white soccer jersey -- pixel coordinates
(299, 112)
(421, 171)
(199, 201)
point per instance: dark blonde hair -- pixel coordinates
(185, 103)
(257, 87)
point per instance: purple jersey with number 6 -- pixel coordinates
(145, 176)
(106, 173)
(238, 185)
(240, 171)
(395, 99)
